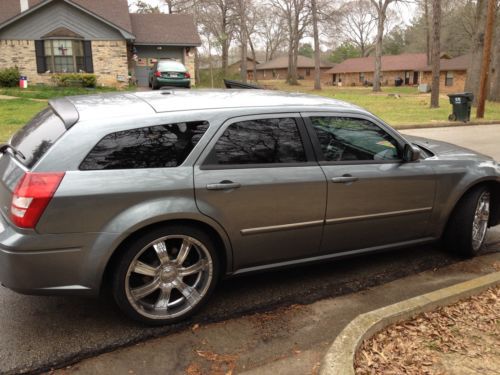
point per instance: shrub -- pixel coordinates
(75, 79)
(9, 77)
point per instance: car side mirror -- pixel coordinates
(411, 153)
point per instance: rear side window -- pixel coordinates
(263, 141)
(159, 146)
(35, 139)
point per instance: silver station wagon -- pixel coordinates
(160, 194)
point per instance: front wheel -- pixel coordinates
(166, 275)
(466, 231)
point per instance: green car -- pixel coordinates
(169, 73)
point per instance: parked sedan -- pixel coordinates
(160, 195)
(169, 73)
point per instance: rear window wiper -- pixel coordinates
(5, 146)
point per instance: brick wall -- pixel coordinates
(189, 63)
(110, 62)
(109, 57)
(281, 74)
(459, 77)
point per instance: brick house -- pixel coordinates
(42, 37)
(278, 69)
(412, 68)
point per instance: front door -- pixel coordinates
(258, 178)
(374, 198)
(415, 78)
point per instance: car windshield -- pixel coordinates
(171, 66)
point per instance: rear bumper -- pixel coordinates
(50, 264)
(182, 82)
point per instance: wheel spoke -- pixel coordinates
(183, 252)
(145, 269)
(161, 252)
(145, 290)
(199, 266)
(163, 299)
(190, 294)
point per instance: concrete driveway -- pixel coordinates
(38, 333)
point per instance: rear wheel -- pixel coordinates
(466, 231)
(166, 275)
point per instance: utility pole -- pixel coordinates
(485, 65)
(436, 52)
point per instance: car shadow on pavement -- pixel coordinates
(38, 333)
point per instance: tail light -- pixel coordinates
(31, 196)
(187, 75)
(157, 74)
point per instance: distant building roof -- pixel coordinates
(406, 61)
(282, 63)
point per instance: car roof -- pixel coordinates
(123, 104)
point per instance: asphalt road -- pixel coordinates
(37, 333)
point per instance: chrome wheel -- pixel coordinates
(481, 218)
(169, 277)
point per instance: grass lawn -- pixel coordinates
(15, 113)
(407, 109)
(410, 108)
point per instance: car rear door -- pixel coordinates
(259, 179)
(374, 198)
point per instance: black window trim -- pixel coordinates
(311, 159)
(317, 147)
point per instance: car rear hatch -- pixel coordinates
(172, 70)
(27, 147)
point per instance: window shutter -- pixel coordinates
(41, 66)
(87, 53)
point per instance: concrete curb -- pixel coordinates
(444, 124)
(340, 357)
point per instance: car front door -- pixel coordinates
(259, 179)
(374, 197)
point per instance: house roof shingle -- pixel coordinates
(165, 29)
(114, 11)
(407, 61)
(178, 29)
(282, 63)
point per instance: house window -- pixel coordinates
(362, 77)
(449, 79)
(64, 56)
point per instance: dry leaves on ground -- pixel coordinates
(465, 336)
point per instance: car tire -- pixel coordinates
(154, 86)
(165, 275)
(466, 230)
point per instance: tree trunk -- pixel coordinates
(474, 70)
(244, 37)
(254, 59)
(485, 64)
(378, 50)
(495, 71)
(436, 52)
(427, 32)
(317, 67)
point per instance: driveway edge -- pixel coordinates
(444, 124)
(340, 356)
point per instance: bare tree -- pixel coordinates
(358, 24)
(242, 18)
(436, 52)
(144, 7)
(381, 7)
(296, 14)
(271, 30)
(317, 62)
(427, 32)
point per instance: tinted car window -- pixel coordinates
(351, 139)
(171, 66)
(261, 141)
(34, 140)
(152, 147)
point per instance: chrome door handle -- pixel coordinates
(344, 179)
(223, 185)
